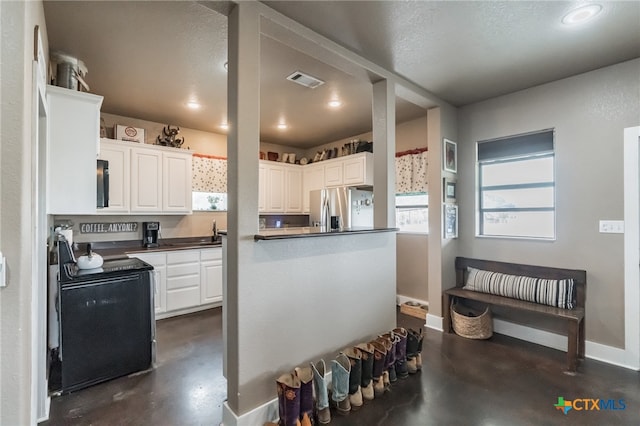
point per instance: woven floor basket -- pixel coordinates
(471, 327)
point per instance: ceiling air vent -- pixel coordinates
(305, 80)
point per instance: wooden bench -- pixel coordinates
(574, 317)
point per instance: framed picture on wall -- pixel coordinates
(450, 156)
(450, 221)
(448, 190)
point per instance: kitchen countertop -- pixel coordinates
(306, 232)
(118, 249)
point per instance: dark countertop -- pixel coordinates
(119, 249)
(306, 232)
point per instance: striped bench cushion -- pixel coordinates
(558, 293)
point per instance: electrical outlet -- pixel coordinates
(612, 226)
(3, 271)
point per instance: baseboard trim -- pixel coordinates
(47, 409)
(434, 322)
(267, 412)
(593, 350)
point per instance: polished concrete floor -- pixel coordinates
(501, 381)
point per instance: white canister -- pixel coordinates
(292, 157)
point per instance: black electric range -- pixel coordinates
(70, 273)
(106, 321)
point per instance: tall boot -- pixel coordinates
(320, 386)
(306, 395)
(414, 346)
(355, 377)
(366, 383)
(420, 335)
(401, 352)
(289, 399)
(340, 369)
(391, 355)
(387, 342)
(379, 356)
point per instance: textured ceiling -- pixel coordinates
(148, 59)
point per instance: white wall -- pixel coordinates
(588, 113)
(196, 140)
(16, 53)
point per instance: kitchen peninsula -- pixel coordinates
(305, 232)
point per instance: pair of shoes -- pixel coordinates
(414, 349)
(295, 397)
(360, 385)
(395, 342)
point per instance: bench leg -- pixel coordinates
(581, 339)
(572, 349)
(446, 313)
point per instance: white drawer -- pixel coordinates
(183, 269)
(185, 256)
(183, 281)
(211, 254)
(157, 260)
(183, 298)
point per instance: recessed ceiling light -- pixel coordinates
(224, 126)
(193, 105)
(582, 14)
(282, 126)
(334, 103)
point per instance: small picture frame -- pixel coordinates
(449, 188)
(450, 214)
(450, 156)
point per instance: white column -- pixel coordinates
(631, 245)
(243, 146)
(384, 138)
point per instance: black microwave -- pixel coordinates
(103, 184)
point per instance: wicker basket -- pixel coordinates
(478, 325)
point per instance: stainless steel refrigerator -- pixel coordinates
(341, 208)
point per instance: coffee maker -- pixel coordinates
(150, 231)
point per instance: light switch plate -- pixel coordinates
(612, 226)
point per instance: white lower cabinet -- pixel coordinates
(159, 263)
(185, 280)
(210, 276)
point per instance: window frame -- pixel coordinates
(480, 211)
(412, 206)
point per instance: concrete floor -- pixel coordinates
(502, 381)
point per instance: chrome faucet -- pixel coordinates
(214, 236)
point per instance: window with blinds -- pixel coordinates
(517, 186)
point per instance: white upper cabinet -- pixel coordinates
(356, 169)
(146, 178)
(176, 175)
(285, 188)
(74, 129)
(262, 188)
(333, 173)
(312, 179)
(293, 192)
(119, 157)
(275, 179)
(273, 185)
